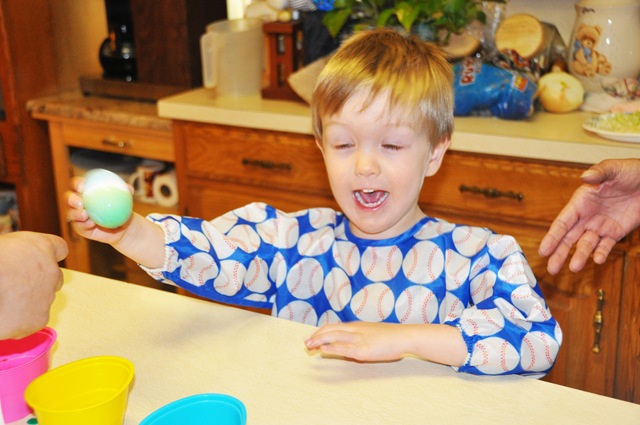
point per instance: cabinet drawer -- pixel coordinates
(212, 199)
(255, 157)
(509, 189)
(145, 143)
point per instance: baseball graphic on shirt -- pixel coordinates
(299, 311)
(198, 269)
(255, 213)
(450, 308)
(493, 356)
(470, 240)
(281, 232)
(172, 229)
(198, 240)
(225, 222)
(278, 269)
(531, 304)
(481, 286)
(433, 229)
(423, 263)
(229, 281)
(483, 322)
(416, 304)
(516, 270)
(256, 279)
(512, 314)
(373, 303)
(381, 263)
(479, 265)
(538, 351)
(501, 246)
(456, 268)
(347, 255)
(244, 237)
(317, 242)
(221, 244)
(320, 217)
(337, 288)
(328, 317)
(305, 278)
(172, 261)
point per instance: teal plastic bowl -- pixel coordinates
(204, 409)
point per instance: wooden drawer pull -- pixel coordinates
(491, 192)
(598, 322)
(269, 165)
(115, 143)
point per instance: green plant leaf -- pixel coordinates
(335, 19)
(407, 14)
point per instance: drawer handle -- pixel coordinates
(115, 143)
(598, 322)
(269, 165)
(491, 192)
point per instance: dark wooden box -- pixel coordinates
(167, 38)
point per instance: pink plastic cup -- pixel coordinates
(21, 361)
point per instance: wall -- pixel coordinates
(79, 27)
(77, 44)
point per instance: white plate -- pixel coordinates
(603, 125)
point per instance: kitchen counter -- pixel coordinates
(73, 105)
(554, 137)
(182, 346)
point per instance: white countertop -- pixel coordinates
(554, 137)
(182, 346)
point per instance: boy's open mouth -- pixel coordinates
(370, 198)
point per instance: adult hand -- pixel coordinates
(29, 279)
(600, 213)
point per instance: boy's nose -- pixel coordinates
(366, 164)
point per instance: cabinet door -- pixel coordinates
(628, 367)
(573, 301)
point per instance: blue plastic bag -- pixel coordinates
(484, 89)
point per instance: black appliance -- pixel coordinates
(118, 51)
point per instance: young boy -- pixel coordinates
(381, 278)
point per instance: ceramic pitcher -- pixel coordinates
(604, 50)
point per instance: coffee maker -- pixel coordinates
(118, 51)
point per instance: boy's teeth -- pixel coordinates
(371, 198)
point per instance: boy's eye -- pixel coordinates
(341, 145)
(392, 147)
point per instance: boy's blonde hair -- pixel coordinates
(414, 75)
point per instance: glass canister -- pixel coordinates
(604, 49)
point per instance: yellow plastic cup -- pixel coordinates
(89, 391)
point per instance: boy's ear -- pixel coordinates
(437, 154)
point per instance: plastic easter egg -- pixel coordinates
(106, 198)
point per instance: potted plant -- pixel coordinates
(433, 20)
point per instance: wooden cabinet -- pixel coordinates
(25, 72)
(221, 168)
(142, 141)
(521, 198)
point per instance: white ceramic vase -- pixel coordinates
(604, 49)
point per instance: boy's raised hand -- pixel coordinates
(83, 225)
